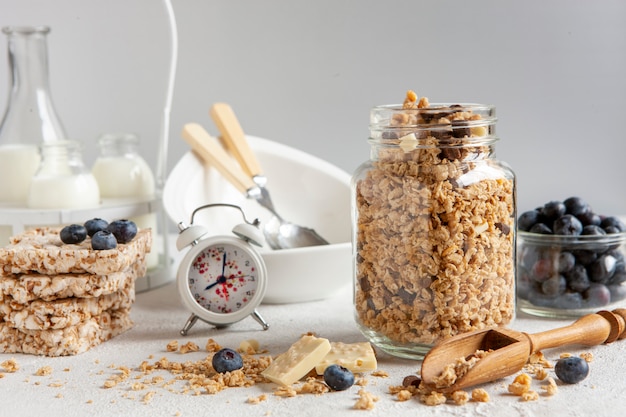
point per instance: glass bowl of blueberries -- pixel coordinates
(570, 260)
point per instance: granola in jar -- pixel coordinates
(433, 226)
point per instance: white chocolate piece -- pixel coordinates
(250, 346)
(357, 357)
(298, 360)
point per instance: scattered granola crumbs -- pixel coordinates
(10, 365)
(362, 382)
(538, 358)
(1, 375)
(67, 369)
(587, 356)
(172, 346)
(189, 347)
(460, 397)
(56, 384)
(43, 371)
(530, 396)
(366, 400)
(212, 346)
(565, 355)
(380, 374)
(434, 398)
(89, 401)
(257, 400)
(138, 386)
(59, 395)
(520, 385)
(541, 374)
(550, 387)
(404, 395)
(148, 397)
(480, 395)
(285, 392)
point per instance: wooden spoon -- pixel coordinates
(509, 350)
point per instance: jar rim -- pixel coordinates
(437, 107)
(26, 30)
(381, 116)
(549, 240)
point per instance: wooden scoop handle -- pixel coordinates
(212, 153)
(234, 138)
(590, 330)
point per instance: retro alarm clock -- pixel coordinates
(221, 279)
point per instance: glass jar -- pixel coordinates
(62, 181)
(567, 277)
(30, 117)
(124, 177)
(433, 228)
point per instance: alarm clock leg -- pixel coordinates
(255, 314)
(190, 322)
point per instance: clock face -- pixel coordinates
(223, 278)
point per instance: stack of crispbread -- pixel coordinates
(61, 299)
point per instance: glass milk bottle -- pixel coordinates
(125, 177)
(29, 119)
(62, 181)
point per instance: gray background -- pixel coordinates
(305, 73)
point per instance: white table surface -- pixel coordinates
(75, 386)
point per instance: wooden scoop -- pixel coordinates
(510, 350)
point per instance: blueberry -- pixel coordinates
(593, 230)
(123, 230)
(618, 292)
(589, 217)
(567, 225)
(95, 225)
(553, 210)
(540, 228)
(554, 286)
(585, 256)
(602, 268)
(611, 230)
(542, 269)
(571, 370)
(578, 279)
(103, 240)
(527, 219)
(619, 275)
(598, 295)
(74, 233)
(568, 301)
(612, 221)
(338, 378)
(566, 261)
(576, 206)
(226, 360)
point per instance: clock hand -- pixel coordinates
(221, 279)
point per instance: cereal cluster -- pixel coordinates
(435, 223)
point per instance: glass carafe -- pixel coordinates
(30, 117)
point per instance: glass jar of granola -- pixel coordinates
(433, 226)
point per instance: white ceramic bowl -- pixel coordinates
(306, 190)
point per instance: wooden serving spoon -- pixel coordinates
(509, 350)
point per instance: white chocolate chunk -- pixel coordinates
(298, 360)
(357, 357)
